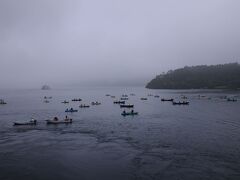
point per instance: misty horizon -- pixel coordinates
(112, 43)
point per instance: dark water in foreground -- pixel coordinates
(200, 141)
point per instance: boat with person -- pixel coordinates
(65, 102)
(46, 101)
(144, 99)
(157, 96)
(119, 102)
(124, 98)
(180, 103)
(184, 97)
(231, 100)
(29, 123)
(75, 100)
(131, 113)
(127, 106)
(2, 102)
(55, 120)
(71, 110)
(84, 106)
(96, 103)
(167, 99)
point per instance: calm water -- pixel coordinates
(200, 141)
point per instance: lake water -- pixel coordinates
(199, 141)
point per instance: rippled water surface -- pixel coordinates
(199, 141)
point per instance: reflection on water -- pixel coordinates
(199, 141)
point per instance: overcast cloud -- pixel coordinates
(79, 41)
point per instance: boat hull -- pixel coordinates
(129, 114)
(59, 122)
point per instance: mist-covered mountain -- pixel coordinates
(222, 76)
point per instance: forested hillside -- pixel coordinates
(224, 76)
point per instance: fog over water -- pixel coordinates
(81, 42)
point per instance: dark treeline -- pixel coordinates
(224, 76)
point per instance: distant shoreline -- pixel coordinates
(222, 76)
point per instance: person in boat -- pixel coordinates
(33, 120)
(124, 112)
(66, 118)
(132, 111)
(55, 118)
(71, 109)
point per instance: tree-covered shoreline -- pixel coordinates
(222, 76)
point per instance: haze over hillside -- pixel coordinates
(62, 42)
(222, 76)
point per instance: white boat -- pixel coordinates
(31, 122)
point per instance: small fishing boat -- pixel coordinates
(65, 102)
(119, 102)
(96, 103)
(167, 100)
(144, 99)
(71, 110)
(157, 96)
(2, 102)
(46, 101)
(184, 97)
(132, 113)
(180, 103)
(84, 106)
(108, 95)
(231, 100)
(75, 100)
(124, 95)
(132, 94)
(57, 121)
(124, 98)
(31, 122)
(127, 106)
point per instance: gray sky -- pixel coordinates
(67, 41)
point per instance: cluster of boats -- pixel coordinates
(55, 120)
(174, 102)
(122, 104)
